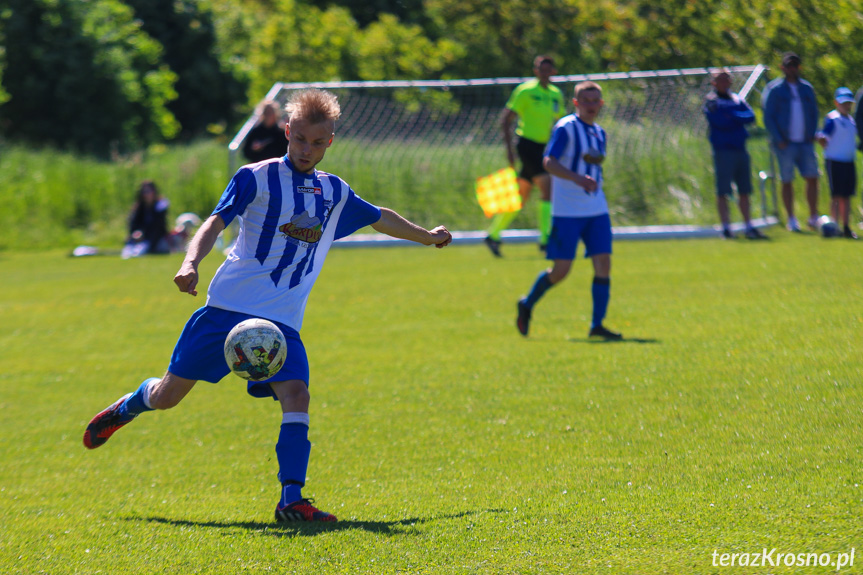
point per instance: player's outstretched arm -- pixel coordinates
(396, 226)
(187, 278)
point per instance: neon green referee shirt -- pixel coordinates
(538, 109)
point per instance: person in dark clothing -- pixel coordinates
(727, 116)
(267, 139)
(148, 223)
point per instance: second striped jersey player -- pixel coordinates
(574, 158)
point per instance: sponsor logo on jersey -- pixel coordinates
(309, 190)
(304, 228)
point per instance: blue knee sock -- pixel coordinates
(138, 402)
(601, 292)
(540, 286)
(292, 452)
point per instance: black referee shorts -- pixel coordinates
(530, 153)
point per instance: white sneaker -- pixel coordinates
(792, 225)
(812, 222)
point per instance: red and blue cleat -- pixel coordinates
(106, 422)
(302, 510)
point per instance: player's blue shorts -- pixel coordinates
(200, 351)
(594, 231)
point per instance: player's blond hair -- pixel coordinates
(313, 105)
(585, 86)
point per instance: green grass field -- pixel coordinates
(729, 420)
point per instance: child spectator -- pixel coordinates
(839, 139)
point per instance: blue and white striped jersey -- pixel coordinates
(570, 141)
(288, 221)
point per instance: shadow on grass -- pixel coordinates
(595, 341)
(301, 529)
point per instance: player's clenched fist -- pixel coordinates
(187, 279)
(441, 237)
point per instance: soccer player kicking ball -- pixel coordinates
(574, 158)
(290, 214)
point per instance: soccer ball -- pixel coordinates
(255, 349)
(828, 227)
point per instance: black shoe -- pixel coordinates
(543, 247)
(727, 234)
(755, 234)
(523, 320)
(601, 331)
(493, 245)
(849, 233)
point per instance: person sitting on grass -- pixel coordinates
(148, 223)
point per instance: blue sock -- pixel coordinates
(292, 452)
(601, 291)
(136, 404)
(540, 286)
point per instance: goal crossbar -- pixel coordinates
(660, 145)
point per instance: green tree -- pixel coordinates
(207, 90)
(502, 38)
(828, 35)
(82, 75)
(290, 41)
(364, 12)
(390, 50)
(5, 12)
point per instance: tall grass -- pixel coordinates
(654, 174)
(53, 198)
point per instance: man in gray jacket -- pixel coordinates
(791, 118)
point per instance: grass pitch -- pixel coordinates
(729, 420)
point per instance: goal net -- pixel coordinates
(419, 146)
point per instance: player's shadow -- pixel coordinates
(600, 341)
(302, 529)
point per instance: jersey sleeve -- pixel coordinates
(829, 126)
(356, 215)
(240, 192)
(557, 143)
(515, 99)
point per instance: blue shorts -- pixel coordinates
(732, 166)
(200, 351)
(594, 231)
(802, 156)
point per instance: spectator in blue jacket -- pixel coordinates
(791, 118)
(727, 116)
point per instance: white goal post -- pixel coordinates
(435, 137)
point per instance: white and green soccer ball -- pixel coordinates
(255, 349)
